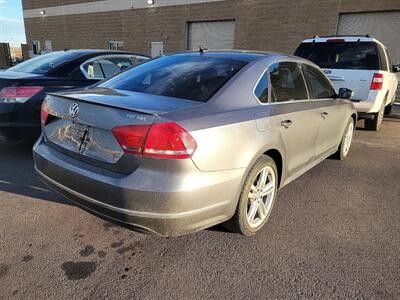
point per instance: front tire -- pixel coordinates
(257, 198)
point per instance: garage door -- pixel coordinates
(384, 26)
(211, 35)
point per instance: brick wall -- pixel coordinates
(368, 5)
(30, 4)
(273, 25)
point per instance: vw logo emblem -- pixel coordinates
(74, 110)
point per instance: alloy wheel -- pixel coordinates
(261, 197)
(348, 137)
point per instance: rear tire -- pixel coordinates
(376, 123)
(256, 199)
(388, 109)
(345, 144)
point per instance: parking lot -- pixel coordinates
(334, 233)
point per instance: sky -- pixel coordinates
(12, 22)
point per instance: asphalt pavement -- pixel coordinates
(333, 233)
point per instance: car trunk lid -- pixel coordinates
(80, 124)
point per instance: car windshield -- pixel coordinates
(193, 76)
(44, 63)
(341, 55)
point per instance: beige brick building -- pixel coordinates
(176, 25)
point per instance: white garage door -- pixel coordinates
(211, 35)
(384, 26)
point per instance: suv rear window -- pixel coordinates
(194, 77)
(341, 55)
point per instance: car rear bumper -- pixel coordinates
(370, 105)
(168, 204)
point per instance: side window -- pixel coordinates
(261, 90)
(139, 59)
(382, 58)
(318, 85)
(287, 82)
(105, 67)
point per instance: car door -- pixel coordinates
(294, 115)
(331, 115)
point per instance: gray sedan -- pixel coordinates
(191, 140)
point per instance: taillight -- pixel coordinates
(169, 140)
(44, 113)
(163, 140)
(131, 137)
(377, 82)
(18, 94)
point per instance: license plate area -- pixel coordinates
(69, 135)
(77, 134)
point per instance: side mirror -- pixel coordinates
(345, 93)
(396, 68)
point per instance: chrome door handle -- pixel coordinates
(324, 114)
(286, 123)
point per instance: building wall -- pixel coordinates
(368, 5)
(30, 4)
(5, 56)
(274, 25)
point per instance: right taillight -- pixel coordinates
(377, 82)
(162, 140)
(44, 113)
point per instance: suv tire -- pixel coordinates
(376, 123)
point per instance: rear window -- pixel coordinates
(341, 55)
(195, 77)
(43, 64)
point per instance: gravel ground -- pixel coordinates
(334, 233)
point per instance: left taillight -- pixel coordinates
(18, 94)
(377, 82)
(160, 140)
(44, 113)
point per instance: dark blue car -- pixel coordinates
(24, 86)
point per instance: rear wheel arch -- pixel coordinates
(354, 117)
(272, 152)
(278, 159)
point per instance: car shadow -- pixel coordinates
(17, 175)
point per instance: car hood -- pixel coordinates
(152, 104)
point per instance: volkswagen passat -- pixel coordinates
(191, 140)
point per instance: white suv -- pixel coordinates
(361, 64)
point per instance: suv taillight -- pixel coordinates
(377, 82)
(162, 140)
(44, 113)
(18, 94)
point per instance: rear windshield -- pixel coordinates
(43, 64)
(194, 77)
(341, 55)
